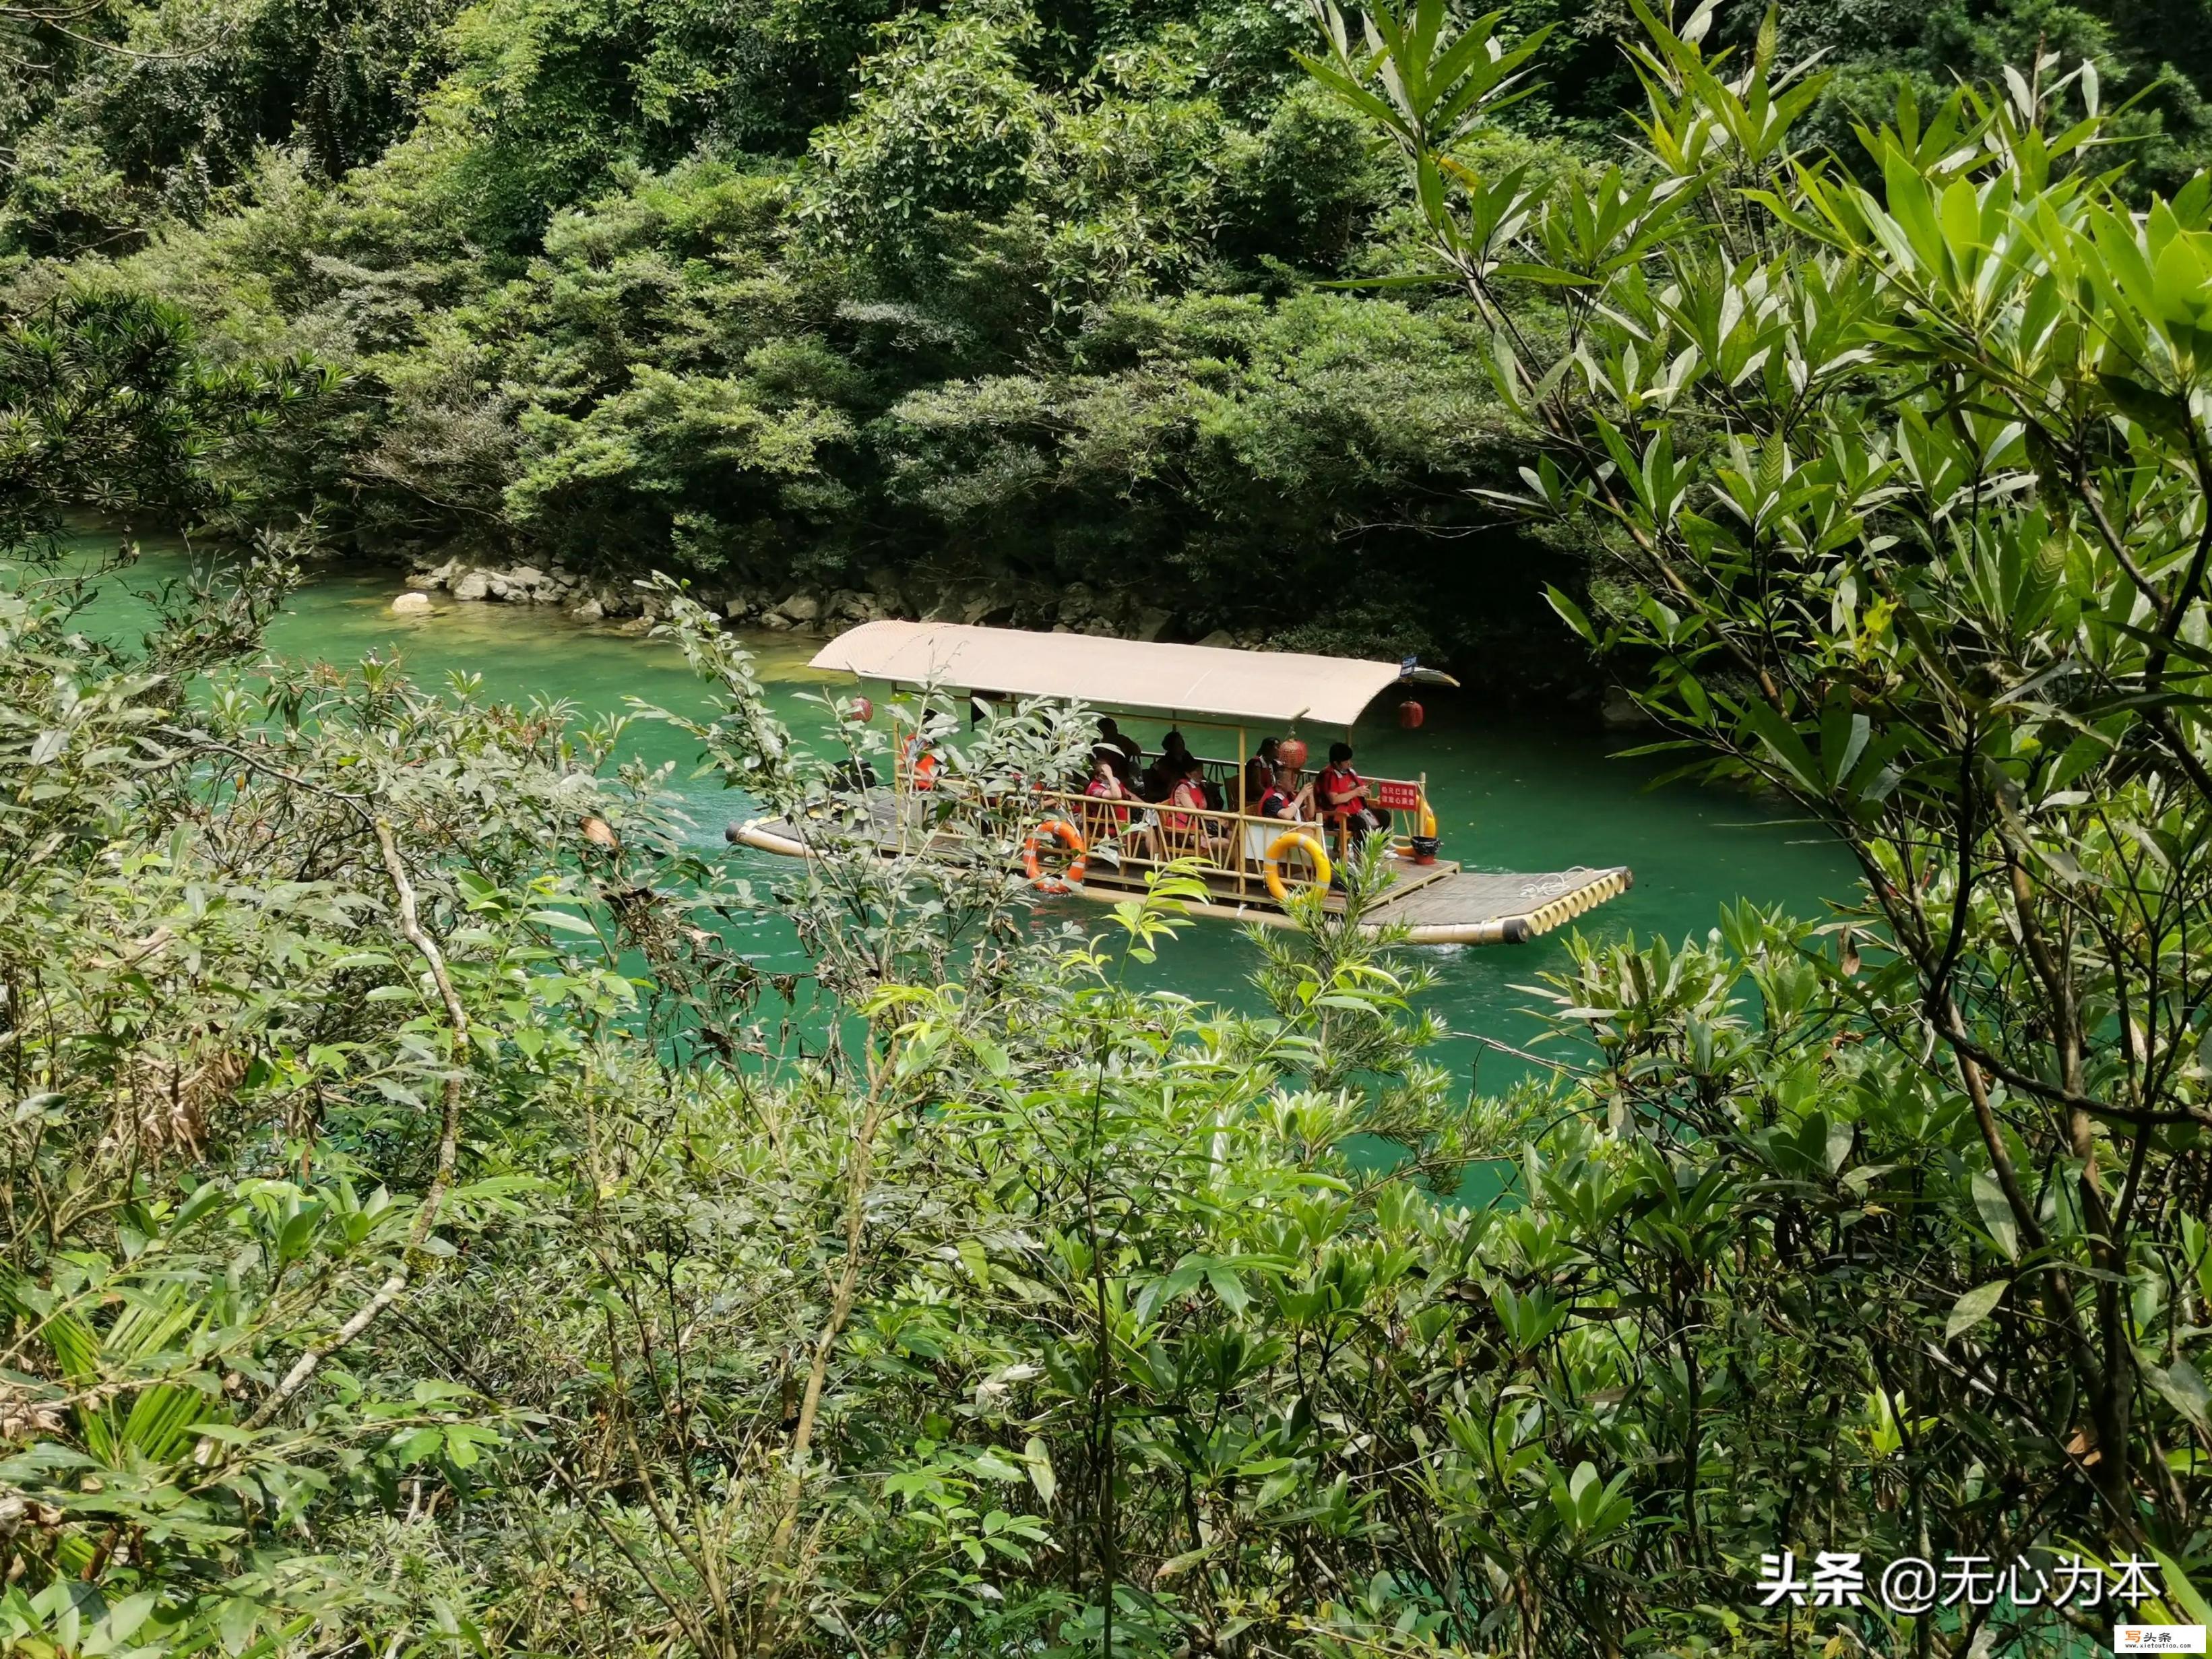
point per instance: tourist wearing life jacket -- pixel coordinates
(1106, 785)
(1260, 774)
(1282, 797)
(1342, 794)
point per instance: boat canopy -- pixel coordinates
(1261, 687)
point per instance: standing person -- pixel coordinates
(1166, 771)
(1340, 793)
(1260, 774)
(1111, 736)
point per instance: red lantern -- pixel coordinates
(1410, 715)
(863, 710)
(1291, 751)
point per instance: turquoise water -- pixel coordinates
(1510, 793)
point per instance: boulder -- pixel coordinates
(499, 587)
(849, 604)
(411, 605)
(883, 583)
(1619, 711)
(1220, 636)
(986, 608)
(800, 608)
(475, 585)
(590, 612)
(1150, 624)
(776, 622)
(438, 576)
(525, 575)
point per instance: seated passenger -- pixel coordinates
(1105, 786)
(1285, 803)
(1283, 798)
(1188, 832)
(1342, 795)
(1260, 774)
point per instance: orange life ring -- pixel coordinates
(922, 771)
(1290, 842)
(1033, 861)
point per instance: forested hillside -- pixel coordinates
(966, 305)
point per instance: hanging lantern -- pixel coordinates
(1411, 714)
(863, 710)
(1291, 751)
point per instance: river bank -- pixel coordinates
(797, 607)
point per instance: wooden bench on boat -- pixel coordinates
(1216, 689)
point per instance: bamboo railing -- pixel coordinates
(1125, 839)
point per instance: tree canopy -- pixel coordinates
(990, 297)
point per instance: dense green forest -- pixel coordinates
(965, 306)
(423, 1231)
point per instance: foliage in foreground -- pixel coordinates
(428, 1230)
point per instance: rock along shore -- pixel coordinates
(1077, 609)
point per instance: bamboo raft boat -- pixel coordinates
(1236, 855)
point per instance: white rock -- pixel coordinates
(525, 575)
(590, 612)
(800, 608)
(476, 584)
(411, 605)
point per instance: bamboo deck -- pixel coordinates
(1441, 903)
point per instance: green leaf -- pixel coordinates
(1996, 1214)
(1971, 1308)
(1039, 1457)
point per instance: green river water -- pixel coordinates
(1510, 794)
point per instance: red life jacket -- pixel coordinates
(1185, 794)
(1096, 790)
(1334, 778)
